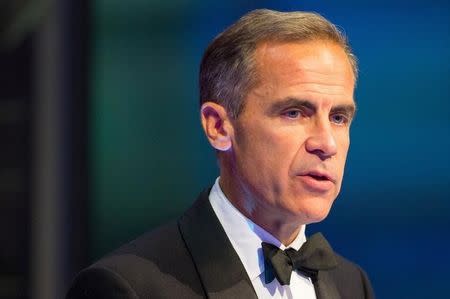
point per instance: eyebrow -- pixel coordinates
(290, 102)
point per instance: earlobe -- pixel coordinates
(216, 125)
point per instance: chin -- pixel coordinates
(315, 212)
(317, 217)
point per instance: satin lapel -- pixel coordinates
(325, 286)
(220, 269)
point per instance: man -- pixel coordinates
(276, 95)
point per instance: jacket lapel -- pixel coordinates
(220, 269)
(325, 287)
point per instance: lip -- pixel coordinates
(326, 175)
(312, 182)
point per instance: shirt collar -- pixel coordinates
(244, 234)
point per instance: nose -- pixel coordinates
(321, 141)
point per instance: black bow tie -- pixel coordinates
(314, 255)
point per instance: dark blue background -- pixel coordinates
(150, 159)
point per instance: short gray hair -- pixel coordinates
(228, 69)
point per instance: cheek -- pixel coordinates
(342, 154)
(266, 153)
(282, 149)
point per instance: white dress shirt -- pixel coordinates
(246, 238)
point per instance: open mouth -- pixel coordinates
(319, 177)
(317, 182)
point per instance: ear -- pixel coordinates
(216, 125)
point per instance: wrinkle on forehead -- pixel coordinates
(314, 60)
(323, 86)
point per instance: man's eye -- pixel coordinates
(339, 119)
(293, 113)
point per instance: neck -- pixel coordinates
(285, 233)
(285, 229)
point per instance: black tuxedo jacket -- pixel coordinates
(193, 258)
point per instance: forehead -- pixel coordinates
(319, 62)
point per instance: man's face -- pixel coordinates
(290, 142)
